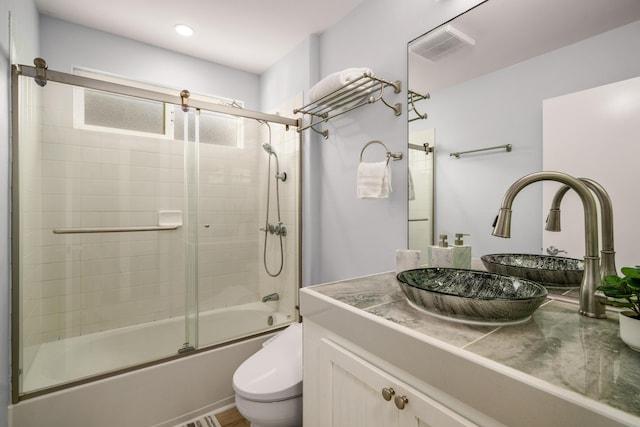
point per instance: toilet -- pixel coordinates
(268, 384)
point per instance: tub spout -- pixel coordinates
(590, 304)
(271, 297)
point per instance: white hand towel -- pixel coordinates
(335, 81)
(374, 180)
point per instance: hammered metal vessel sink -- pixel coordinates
(472, 296)
(549, 271)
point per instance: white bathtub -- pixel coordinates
(158, 395)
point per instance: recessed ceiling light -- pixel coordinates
(184, 30)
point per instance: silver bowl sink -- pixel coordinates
(472, 296)
(549, 271)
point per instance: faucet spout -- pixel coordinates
(607, 252)
(590, 304)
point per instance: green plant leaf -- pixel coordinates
(623, 291)
(613, 280)
(620, 304)
(631, 272)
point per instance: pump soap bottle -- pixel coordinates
(461, 253)
(441, 255)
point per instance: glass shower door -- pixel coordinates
(99, 195)
(141, 231)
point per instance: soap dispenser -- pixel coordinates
(441, 255)
(461, 253)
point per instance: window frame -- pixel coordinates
(168, 108)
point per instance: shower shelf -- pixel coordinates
(367, 89)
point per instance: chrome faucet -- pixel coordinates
(607, 252)
(590, 304)
(271, 297)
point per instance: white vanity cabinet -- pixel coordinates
(360, 394)
(346, 390)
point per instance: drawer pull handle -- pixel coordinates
(387, 393)
(401, 401)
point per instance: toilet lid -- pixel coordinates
(274, 372)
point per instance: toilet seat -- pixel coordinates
(275, 372)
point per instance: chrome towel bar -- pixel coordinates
(457, 155)
(113, 229)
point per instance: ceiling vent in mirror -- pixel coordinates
(440, 42)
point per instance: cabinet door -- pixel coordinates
(353, 395)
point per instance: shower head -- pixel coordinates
(268, 148)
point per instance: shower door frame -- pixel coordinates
(42, 75)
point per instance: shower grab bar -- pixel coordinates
(113, 229)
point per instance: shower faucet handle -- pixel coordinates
(281, 230)
(277, 229)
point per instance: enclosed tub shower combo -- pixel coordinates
(148, 226)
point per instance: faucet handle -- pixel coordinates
(552, 250)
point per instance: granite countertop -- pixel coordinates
(557, 345)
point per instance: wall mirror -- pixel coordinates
(484, 81)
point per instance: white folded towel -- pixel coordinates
(374, 180)
(335, 81)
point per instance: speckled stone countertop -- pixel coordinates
(557, 345)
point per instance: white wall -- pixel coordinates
(597, 129)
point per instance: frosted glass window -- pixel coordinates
(110, 112)
(215, 128)
(122, 112)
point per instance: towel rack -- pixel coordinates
(412, 98)
(457, 155)
(113, 229)
(390, 155)
(367, 89)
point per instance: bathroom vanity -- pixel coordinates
(371, 359)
